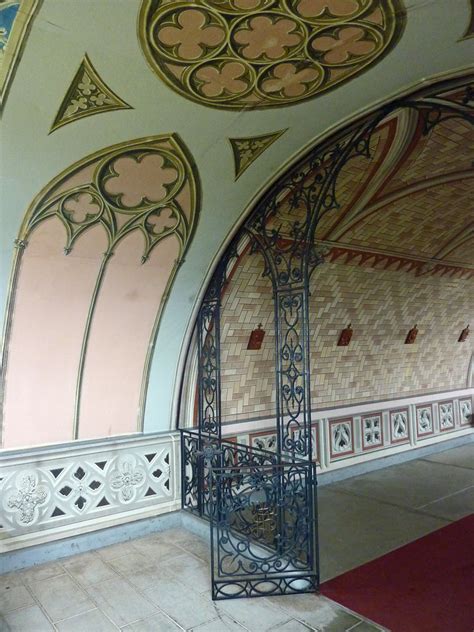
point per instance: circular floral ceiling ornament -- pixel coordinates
(265, 53)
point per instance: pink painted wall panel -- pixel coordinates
(52, 300)
(125, 313)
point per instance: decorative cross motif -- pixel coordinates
(446, 416)
(268, 442)
(27, 499)
(125, 478)
(372, 431)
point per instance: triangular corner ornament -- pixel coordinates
(87, 95)
(248, 149)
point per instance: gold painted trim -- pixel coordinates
(240, 164)
(43, 201)
(74, 92)
(394, 27)
(469, 33)
(16, 44)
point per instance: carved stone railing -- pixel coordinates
(67, 489)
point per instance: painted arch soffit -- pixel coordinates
(236, 54)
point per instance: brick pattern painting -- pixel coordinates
(381, 305)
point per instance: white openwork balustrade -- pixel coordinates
(67, 489)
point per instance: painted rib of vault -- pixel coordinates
(16, 18)
(94, 262)
(265, 53)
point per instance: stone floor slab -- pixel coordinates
(14, 597)
(185, 606)
(463, 456)
(61, 597)
(409, 485)
(115, 550)
(453, 507)
(257, 615)
(27, 620)
(294, 626)
(92, 621)
(317, 612)
(88, 568)
(156, 623)
(222, 624)
(42, 571)
(120, 601)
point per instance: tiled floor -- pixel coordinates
(161, 582)
(367, 516)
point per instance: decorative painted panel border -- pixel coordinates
(264, 441)
(399, 422)
(446, 416)
(406, 423)
(465, 410)
(424, 421)
(341, 436)
(48, 494)
(371, 429)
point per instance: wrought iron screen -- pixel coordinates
(262, 512)
(262, 505)
(263, 530)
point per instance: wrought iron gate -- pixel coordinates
(262, 512)
(262, 505)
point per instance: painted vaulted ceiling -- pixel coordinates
(136, 133)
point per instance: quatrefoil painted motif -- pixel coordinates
(264, 53)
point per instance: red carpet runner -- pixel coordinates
(425, 586)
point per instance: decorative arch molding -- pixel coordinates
(444, 83)
(235, 481)
(123, 217)
(282, 228)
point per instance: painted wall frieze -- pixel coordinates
(87, 95)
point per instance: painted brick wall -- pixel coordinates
(381, 305)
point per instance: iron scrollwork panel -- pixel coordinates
(200, 453)
(209, 367)
(293, 373)
(263, 532)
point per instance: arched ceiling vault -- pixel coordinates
(85, 76)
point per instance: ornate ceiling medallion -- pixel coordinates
(264, 53)
(246, 150)
(87, 95)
